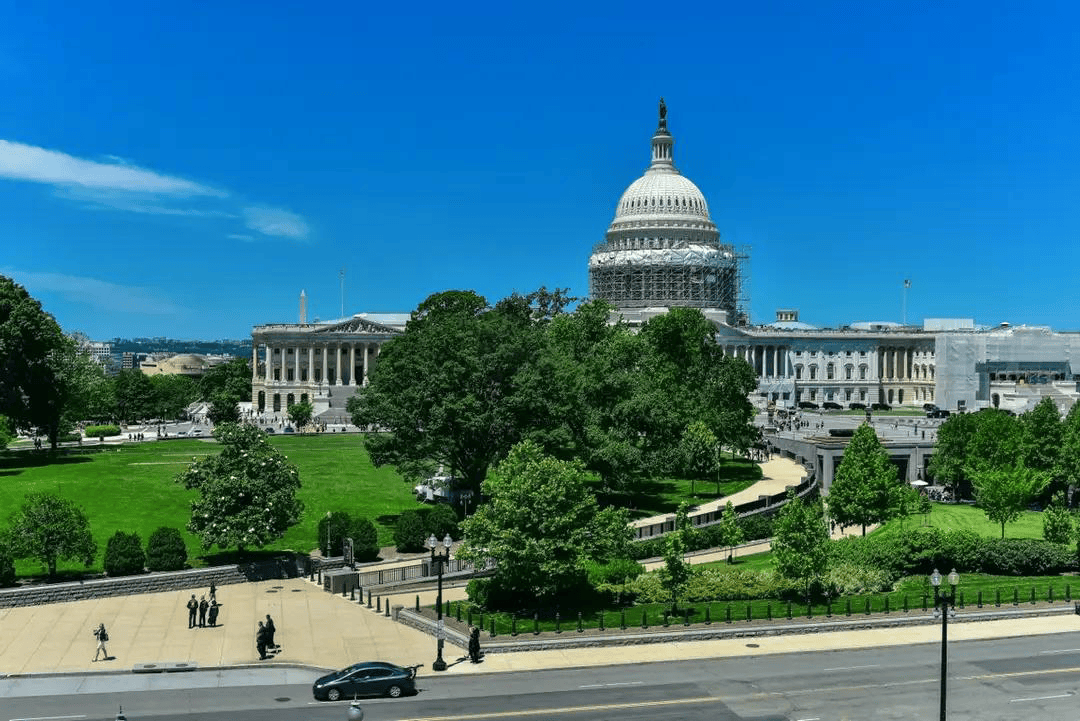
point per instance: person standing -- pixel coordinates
(204, 606)
(192, 609)
(102, 636)
(260, 641)
(213, 592)
(213, 613)
(270, 629)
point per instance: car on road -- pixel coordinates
(369, 678)
(197, 432)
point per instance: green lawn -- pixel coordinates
(966, 517)
(659, 496)
(132, 488)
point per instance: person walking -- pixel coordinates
(204, 606)
(213, 613)
(213, 592)
(102, 636)
(192, 609)
(270, 630)
(260, 641)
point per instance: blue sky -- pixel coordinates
(186, 169)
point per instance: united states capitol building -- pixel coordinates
(663, 250)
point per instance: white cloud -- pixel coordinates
(241, 236)
(97, 199)
(39, 165)
(98, 293)
(276, 221)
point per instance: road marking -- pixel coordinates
(1064, 650)
(45, 718)
(852, 668)
(620, 683)
(1041, 698)
(573, 709)
(815, 718)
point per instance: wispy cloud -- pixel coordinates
(40, 165)
(276, 221)
(121, 185)
(98, 293)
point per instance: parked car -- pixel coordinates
(832, 406)
(881, 407)
(857, 406)
(197, 432)
(808, 405)
(929, 407)
(369, 678)
(269, 429)
(937, 413)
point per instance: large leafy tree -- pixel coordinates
(134, 394)
(232, 379)
(800, 541)
(1042, 434)
(300, 414)
(444, 391)
(1068, 462)
(540, 525)
(37, 380)
(950, 452)
(172, 394)
(1004, 492)
(247, 492)
(865, 489)
(50, 529)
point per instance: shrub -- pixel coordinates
(365, 540)
(756, 527)
(95, 431)
(165, 550)
(124, 555)
(441, 520)
(409, 532)
(718, 584)
(613, 572)
(7, 566)
(1024, 557)
(1057, 522)
(333, 530)
(846, 579)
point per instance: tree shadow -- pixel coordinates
(12, 463)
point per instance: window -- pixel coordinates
(830, 371)
(849, 372)
(798, 372)
(847, 394)
(813, 394)
(813, 373)
(862, 372)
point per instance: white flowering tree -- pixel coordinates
(247, 493)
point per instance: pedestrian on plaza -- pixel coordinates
(192, 609)
(102, 636)
(213, 592)
(204, 606)
(260, 641)
(270, 630)
(213, 612)
(474, 645)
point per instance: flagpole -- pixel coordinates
(907, 284)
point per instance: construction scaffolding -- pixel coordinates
(695, 274)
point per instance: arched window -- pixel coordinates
(849, 372)
(798, 372)
(830, 371)
(862, 372)
(262, 400)
(813, 373)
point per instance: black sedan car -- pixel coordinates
(370, 678)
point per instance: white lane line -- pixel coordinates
(618, 683)
(851, 668)
(46, 718)
(815, 718)
(1064, 650)
(1041, 698)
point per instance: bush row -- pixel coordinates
(415, 526)
(919, 551)
(95, 431)
(165, 551)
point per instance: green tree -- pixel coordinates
(7, 564)
(172, 394)
(247, 492)
(865, 489)
(134, 394)
(231, 379)
(124, 555)
(1042, 435)
(675, 573)
(950, 452)
(1004, 493)
(997, 442)
(1068, 462)
(730, 533)
(800, 541)
(33, 355)
(365, 540)
(444, 390)
(1057, 521)
(541, 525)
(7, 434)
(224, 408)
(50, 529)
(334, 527)
(300, 414)
(410, 532)
(699, 454)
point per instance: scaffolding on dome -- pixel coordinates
(694, 274)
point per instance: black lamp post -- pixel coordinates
(438, 559)
(942, 603)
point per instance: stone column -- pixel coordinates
(282, 364)
(325, 353)
(337, 364)
(268, 372)
(311, 365)
(352, 364)
(296, 365)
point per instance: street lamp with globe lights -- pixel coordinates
(943, 603)
(438, 559)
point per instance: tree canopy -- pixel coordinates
(247, 492)
(50, 529)
(865, 489)
(300, 414)
(800, 541)
(540, 525)
(1004, 492)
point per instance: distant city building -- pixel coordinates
(100, 351)
(181, 364)
(321, 363)
(132, 360)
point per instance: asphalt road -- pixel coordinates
(1003, 679)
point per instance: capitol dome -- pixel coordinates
(662, 248)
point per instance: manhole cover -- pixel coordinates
(279, 587)
(298, 590)
(283, 699)
(270, 590)
(751, 645)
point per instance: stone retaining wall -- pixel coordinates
(285, 567)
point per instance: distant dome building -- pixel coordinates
(662, 249)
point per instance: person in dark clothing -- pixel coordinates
(213, 592)
(474, 645)
(260, 641)
(213, 613)
(192, 609)
(270, 629)
(204, 606)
